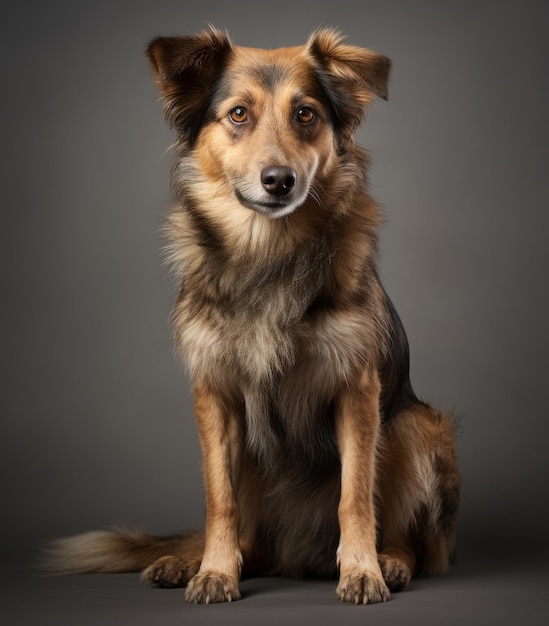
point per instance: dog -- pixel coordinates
(319, 459)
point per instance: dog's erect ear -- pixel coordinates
(185, 69)
(352, 76)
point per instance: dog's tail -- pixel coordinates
(117, 550)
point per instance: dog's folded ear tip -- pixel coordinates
(383, 94)
(172, 55)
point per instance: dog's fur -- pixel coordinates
(318, 456)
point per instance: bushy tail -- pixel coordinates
(117, 550)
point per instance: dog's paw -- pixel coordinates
(170, 571)
(362, 588)
(209, 587)
(396, 573)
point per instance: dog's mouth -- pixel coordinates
(272, 207)
(278, 190)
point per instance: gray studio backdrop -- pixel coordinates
(97, 425)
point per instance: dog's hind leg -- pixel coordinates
(418, 494)
(178, 567)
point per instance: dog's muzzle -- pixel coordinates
(277, 194)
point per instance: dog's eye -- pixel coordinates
(238, 115)
(306, 115)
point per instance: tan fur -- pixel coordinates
(318, 456)
(219, 429)
(357, 429)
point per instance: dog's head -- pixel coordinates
(266, 124)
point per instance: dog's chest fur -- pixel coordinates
(256, 319)
(258, 326)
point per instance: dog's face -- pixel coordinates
(271, 133)
(265, 126)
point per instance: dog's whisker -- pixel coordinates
(316, 194)
(169, 149)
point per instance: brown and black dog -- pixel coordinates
(318, 456)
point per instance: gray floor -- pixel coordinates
(476, 591)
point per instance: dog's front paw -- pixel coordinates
(209, 587)
(396, 573)
(362, 588)
(170, 571)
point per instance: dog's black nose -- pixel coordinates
(278, 180)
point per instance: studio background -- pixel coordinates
(97, 425)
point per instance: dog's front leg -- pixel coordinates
(357, 428)
(220, 431)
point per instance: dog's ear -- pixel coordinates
(351, 76)
(185, 70)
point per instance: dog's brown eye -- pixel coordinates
(238, 115)
(305, 115)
